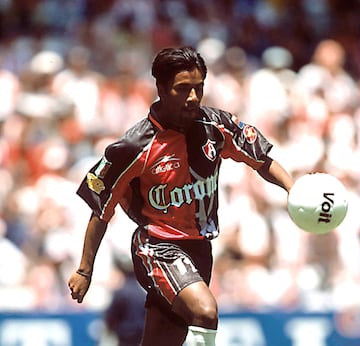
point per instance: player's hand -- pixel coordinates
(78, 285)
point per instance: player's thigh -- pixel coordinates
(162, 330)
(165, 268)
(197, 305)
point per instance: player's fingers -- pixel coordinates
(77, 296)
(77, 290)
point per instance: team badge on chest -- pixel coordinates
(210, 150)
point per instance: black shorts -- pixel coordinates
(165, 267)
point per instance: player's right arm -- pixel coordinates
(79, 282)
(276, 174)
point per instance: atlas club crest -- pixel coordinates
(210, 150)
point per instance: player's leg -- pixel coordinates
(162, 326)
(196, 303)
(162, 330)
(198, 307)
(176, 276)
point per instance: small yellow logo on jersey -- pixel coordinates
(95, 184)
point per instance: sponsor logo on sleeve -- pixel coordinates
(94, 183)
(250, 134)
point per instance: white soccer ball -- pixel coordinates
(317, 202)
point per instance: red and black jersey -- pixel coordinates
(167, 180)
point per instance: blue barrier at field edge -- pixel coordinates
(235, 329)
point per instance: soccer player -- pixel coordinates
(164, 174)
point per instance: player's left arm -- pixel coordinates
(276, 174)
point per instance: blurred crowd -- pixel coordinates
(74, 75)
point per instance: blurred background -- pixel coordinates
(75, 74)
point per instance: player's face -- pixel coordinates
(180, 101)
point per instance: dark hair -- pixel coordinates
(170, 61)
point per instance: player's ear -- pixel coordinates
(161, 90)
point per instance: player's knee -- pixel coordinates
(206, 315)
(197, 306)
